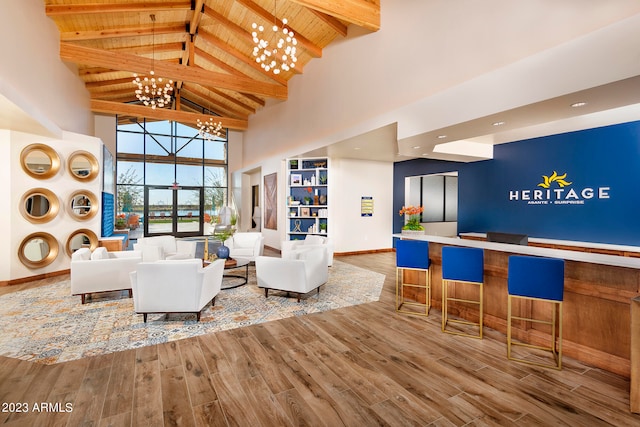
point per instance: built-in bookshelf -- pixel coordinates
(307, 197)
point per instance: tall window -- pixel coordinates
(163, 153)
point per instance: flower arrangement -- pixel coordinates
(413, 223)
(121, 221)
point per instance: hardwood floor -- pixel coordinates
(358, 366)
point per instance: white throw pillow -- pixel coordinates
(82, 254)
(100, 253)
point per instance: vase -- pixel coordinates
(413, 232)
(222, 252)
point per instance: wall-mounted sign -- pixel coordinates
(556, 190)
(366, 206)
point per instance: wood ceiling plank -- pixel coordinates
(359, 12)
(196, 90)
(107, 107)
(126, 62)
(69, 36)
(74, 9)
(331, 21)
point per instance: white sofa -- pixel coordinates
(311, 241)
(248, 245)
(156, 248)
(175, 286)
(101, 271)
(301, 273)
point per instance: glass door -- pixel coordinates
(173, 210)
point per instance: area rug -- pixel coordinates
(47, 325)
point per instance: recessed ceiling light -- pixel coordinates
(442, 136)
(498, 123)
(415, 147)
(578, 104)
(425, 154)
(356, 148)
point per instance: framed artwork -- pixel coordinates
(296, 179)
(270, 201)
(304, 212)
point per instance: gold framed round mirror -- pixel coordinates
(83, 166)
(38, 250)
(83, 238)
(83, 205)
(39, 161)
(39, 205)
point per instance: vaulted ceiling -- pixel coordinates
(204, 46)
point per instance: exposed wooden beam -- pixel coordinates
(359, 12)
(122, 61)
(195, 89)
(309, 47)
(334, 23)
(74, 9)
(107, 107)
(69, 36)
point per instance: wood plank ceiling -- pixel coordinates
(204, 46)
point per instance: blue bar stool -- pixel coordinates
(412, 255)
(462, 266)
(535, 280)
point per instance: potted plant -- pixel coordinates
(121, 222)
(323, 227)
(412, 224)
(223, 234)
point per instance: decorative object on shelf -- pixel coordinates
(150, 90)
(277, 52)
(413, 223)
(323, 179)
(296, 179)
(322, 199)
(323, 227)
(208, 129)
(296, 226)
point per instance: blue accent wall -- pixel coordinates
(108, 209)
(605, 159)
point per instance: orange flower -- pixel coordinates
(411, 210)
(309, 189)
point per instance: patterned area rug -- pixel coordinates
(47, 325)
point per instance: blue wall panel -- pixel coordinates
(606, 158)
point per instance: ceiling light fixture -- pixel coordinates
(578, 104)
(278, 52)
(209, 130)
(498, 123)
(442, 136)
(150, 90)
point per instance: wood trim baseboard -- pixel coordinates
(370, 251)
(32, 278)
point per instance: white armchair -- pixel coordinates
(247, 245)
(158, 248)
(175, 286)
(303, 272)
(101, 271)
(311, 241)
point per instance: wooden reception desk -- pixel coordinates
(599, 289)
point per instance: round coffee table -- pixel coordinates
(236, 279)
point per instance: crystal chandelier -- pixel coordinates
(150, 90)
(209, 129)
(278, 52)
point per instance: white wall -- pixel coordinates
(350, 180)
(8, 213)
(62, 184)
(33, 77)
(436, 62)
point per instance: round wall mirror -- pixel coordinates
(39, 205)
(82, 238)
(40, 161)
(83, 205)
(83, 166)
(38, 250)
